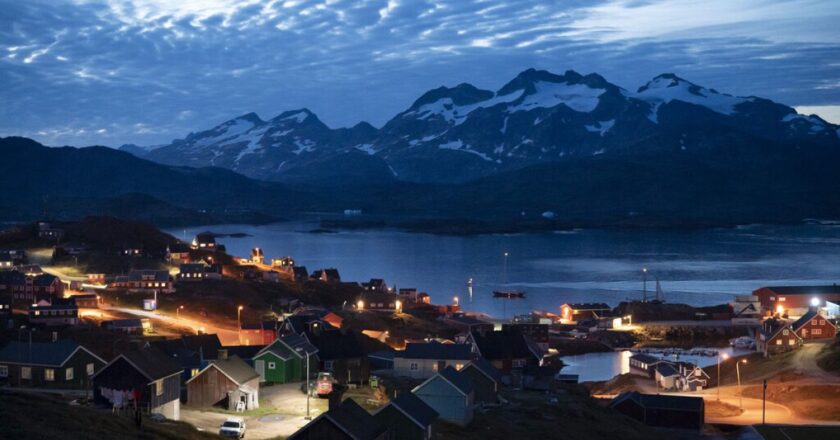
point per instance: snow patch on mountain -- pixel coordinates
(304, 146)
(458, 145)
(601, 127)
(457, 114)
(578, 97)
(367, 148)
(297, 117)
(666, 88)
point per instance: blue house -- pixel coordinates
(450, 394)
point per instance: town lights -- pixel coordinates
(455, 299)
(815, 302)
(780, 309)
(398, 306)
(360, 305)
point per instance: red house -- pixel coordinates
(813, 325)
(776, 336)
(796, 300)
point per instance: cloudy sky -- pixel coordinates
(83, 72)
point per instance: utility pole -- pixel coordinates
(644, 284)
(764, 402)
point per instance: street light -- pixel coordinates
(738, 372)
(398, 306)
(644, 284)
(308, 383)
(456, 300)
(724, 356)
(239, 316)
(360, 305)
(178, 312)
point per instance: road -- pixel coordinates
(227, 336)
(776, 413)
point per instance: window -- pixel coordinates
(272, 365)
(518, 363)
(778, 342)
(49, 374)
(459, 366)
(816, 331)
(159, 388)
(26, 372)
(785, 332)
(781, 298)
(822, 321)
(89, 369)
(328, 365)
(413, 366)
(791, 341)
(193, 372)
(4, 371)
(435, 366)
(68, 374)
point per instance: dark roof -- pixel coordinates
(505, 344)
(772, 327)
(157, 275)
(660, 401)
(803, 320)
(355, 421)
(645, 358)
(12, 277)
(192, 267)
(300, 323)
(235, 368)
(415, 409)
(243, 351)
(666, 369)
(178, 248)
(805, 290)
(456, 379)
(589, 306)
(41, 353)
(205, 344)
(434, 350)
(296, 342)
(387, 355)
(337, 344)
(44, 279)
(152, 363)
(485, 367)
(56, 304)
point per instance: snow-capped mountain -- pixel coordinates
(461, 133)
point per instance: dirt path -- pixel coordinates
(805, 363)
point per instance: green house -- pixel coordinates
(284, 360)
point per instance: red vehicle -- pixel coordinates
(324, 384)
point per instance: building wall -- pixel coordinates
(121, 375)
(451, 405)
(209, 388)
(426, 368)
(283, 371)
(485, 388)
(817, 328)
(78, 363)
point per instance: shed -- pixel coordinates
(226, 381)
(408, 418)
(348, 421)
(450, 394)
(486, 380)
(284, 360)
(681, 412)
(425, 359)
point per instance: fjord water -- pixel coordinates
(701, 267)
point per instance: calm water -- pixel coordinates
(694, 267)
(605, 366)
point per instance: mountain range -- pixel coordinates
(463, 133)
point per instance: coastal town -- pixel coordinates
(115, 322)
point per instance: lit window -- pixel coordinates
(817, 331)
(159, 388)
(193, 372)
(791, 341)
(459, 366)
(49, 374)
(435, 367)
(26, 373)
(68, 374)
(822, 322)
(89, 369)
(778, 342)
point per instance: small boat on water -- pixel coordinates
(508, 294)
(743, 342)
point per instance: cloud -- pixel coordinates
(181, 66)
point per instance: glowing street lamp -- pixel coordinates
(360, 305)
(455, 299)
(780, 310)
(725, 357)
(239, 316)
(178, 312)
(398, 306)
(815, 302)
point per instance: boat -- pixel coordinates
(508, 294)
(743, 342)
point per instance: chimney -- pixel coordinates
(222, 354)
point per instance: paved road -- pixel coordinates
(227, 335)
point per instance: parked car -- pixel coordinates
(233, 427)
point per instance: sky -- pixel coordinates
(110, 72)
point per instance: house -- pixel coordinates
(421, 361)
(191, 352)
(285, 360)
(55, 313)
(450, 394)
(379, 360)
(347, 421)
(796, 300)
(5, 306)
(86, 301)
(305, 322)
(378, 302)
(342, 353)
(326, 276)
(271, 276)
(6, 262)
(537, 332)
(147, 376)
(424, 298)
(407, 417)
(26, 290)
(776, 336)
(376, 285)
(692, 377)
(45, 230)
(666, 411)
(285, 264)
(178, 254)
(61, 364)
(506, 350)
(259, 333)
(812, 326)
(144, 281)
(131, 326)
(226, 381)
(257, 256)
(486, 380)
(300, 274)
(30, 270)
(644, 365)
(192, 272)
(467, 323)
(579, 311)
(666, 375)
(204, 240)
(408, 295)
